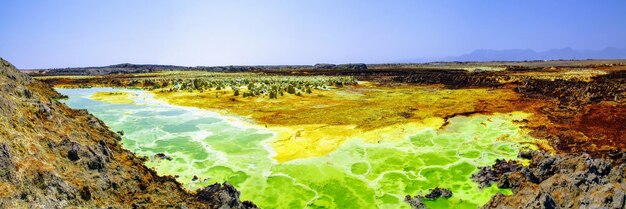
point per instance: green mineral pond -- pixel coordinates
(218, 148)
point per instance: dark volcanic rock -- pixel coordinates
(439, 192)
(162, 156)
(563, 181)
(7, 166)
(73, 153)
(417, 202)
(511, 180)
(96, 160)
(487, 175)
(85, 194)
(225, 194)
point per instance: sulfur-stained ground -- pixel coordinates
(318, 123)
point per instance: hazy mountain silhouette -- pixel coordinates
(528, 54)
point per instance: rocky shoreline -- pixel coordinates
(52, 156)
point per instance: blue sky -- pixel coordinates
(72, 33)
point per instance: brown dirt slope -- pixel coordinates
(52, 156)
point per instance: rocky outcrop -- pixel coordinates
(452, 78)
(6, 164)
(488, 175)
(559, 181)
(52, 156)
(417, 202)
(225, 194)
(609, 87)
(439, 192)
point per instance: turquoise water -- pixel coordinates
(357, 175)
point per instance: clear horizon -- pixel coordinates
(58, 34)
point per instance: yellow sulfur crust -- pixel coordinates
(113, 97)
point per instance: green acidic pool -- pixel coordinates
(357, 175)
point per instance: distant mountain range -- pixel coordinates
(481, 55)
(484, 55)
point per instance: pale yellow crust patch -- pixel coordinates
(113, 97)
